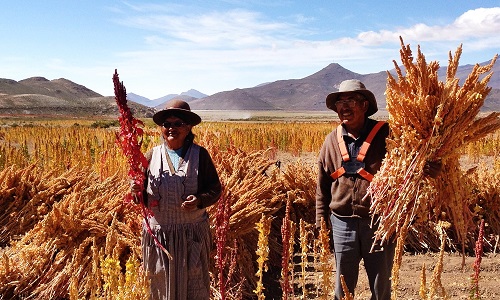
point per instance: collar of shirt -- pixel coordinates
(354, 144)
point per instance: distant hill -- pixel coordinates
(58, 97)
(139, 99)
(465, 70)
(58, 88)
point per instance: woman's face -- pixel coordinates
(174, 131)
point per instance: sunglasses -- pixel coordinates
(350, 102)
(175, 124)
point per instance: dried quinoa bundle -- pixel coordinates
(64, 249)
(430, 120)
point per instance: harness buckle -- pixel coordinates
(352, 167)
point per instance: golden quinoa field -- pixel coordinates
(66, 232)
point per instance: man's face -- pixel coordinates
(351, 108)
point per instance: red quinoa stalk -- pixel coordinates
(130, 139)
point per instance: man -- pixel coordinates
(348, 159)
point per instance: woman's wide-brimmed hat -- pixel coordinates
(353, 85)
(177, 108)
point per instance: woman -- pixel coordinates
(181, 182)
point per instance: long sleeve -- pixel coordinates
(209, 185)
(323, 192)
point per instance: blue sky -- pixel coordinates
(164, 47)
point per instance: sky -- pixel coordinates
(169, 47)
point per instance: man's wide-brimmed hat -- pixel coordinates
(177, 108)
(353, 85)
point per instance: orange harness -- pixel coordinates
(355, 167)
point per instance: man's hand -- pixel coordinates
(433, 168)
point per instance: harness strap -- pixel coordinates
(362, 152)
(363, 173)
(340, 171)
(343, 148)
(369, 139)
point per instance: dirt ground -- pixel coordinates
(456, 282)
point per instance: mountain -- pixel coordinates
(193, 93)
(58, 97)
(163, 100)
(309, 93)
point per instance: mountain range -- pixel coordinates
(160, 102)
(309, 93)
(62, 97)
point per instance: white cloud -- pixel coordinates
(223, 50)
(478, 22)
(473, 24)
(217, 29)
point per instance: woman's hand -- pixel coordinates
(191, 203)
(135, 187)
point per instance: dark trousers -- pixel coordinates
(352, 241)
